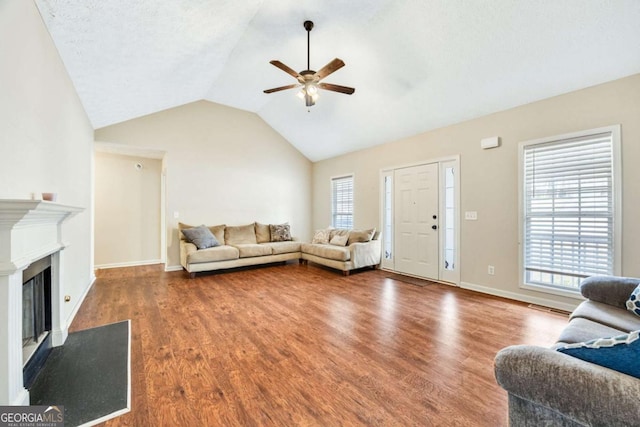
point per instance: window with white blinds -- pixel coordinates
(342, 202)
(569, 209)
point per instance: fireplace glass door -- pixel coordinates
(33, 310)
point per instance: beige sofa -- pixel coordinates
(362, 249)
(251, 244)
(240, 246)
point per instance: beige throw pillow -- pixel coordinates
(339, 240)
(321, 236)
(338, 232)
(361, 235)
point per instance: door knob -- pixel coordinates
(435, 217)
(435, 227)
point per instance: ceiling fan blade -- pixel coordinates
(331, 67)
(285, 68)
(336, 88)
(276, 89)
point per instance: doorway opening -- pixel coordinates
(129, 206)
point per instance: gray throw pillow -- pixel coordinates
(201, 236)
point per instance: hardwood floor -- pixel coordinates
(301, 345)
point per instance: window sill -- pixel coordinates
(569, 293)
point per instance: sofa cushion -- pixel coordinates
(240, 234)
(219, 253)
(248, 250)
(607, 315)
(263, 233)
(201, 236)
(609, 289)
(216, 230)
(283, 247)
(620, 353)
(322, 236)
(633, 303)
(280, 232)
(337, 253)
(361, 235)
(580, 329)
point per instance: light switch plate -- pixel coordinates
(471, 215)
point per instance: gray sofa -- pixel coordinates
(549, 388)
(251, 244)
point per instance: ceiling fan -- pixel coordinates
(308, 79)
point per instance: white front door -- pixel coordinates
(416, 206)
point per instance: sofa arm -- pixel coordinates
(364, 254)
(610, 290)
(582, 391)
(185, 249)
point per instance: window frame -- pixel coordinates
(617, 205)
(333, 179)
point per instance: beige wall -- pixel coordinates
(127, 210)
(223, 165)
(45, 136)
(489, 178)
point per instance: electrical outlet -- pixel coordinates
(176, 214)
(491, 270)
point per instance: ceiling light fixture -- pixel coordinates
(309, 93)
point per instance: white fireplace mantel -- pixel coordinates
(29, 231)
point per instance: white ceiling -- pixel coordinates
(416, 65)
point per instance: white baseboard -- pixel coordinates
(520, 297)
(129, 264)
(172, 268)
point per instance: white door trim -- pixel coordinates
(452, 276)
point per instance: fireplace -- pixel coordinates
(31, 253)
(36, 317)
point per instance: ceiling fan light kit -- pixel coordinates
(309, 80)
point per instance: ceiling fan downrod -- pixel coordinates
(308, 25)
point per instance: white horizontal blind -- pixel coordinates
(342, 202)
(569, 210)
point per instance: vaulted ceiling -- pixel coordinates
(416, 65)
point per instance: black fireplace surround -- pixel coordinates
(36, 315)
